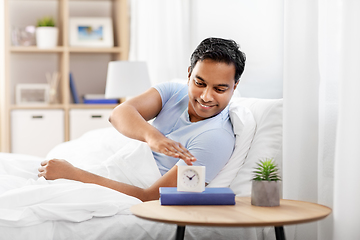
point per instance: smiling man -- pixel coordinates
(211, 85)
(191, 126)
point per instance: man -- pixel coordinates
(191, 123)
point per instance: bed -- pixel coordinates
(105, 214)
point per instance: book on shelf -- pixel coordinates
(98, 99)
(211, 196)
(73, 90)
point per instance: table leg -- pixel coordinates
(180, 232)
(279, 233)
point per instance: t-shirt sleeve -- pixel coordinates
(213, 150)
(167, 90)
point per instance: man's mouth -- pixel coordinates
(206, 106)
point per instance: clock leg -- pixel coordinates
(279, 233)
(180, 232)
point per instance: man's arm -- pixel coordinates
(130, 118)
(58, 168)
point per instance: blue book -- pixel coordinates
(73, 90)
(211, 196)
(98, 99)
(101, 101)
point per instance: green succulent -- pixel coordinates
(267, 170)
(46, 22)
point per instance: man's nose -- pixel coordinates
(206, 95)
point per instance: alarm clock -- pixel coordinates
(191, 178)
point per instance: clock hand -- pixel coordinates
(191, 177)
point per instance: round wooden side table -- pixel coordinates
(242, 214)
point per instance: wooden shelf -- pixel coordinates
(94, 50)
(92, 106)
(34, 49)
(64, 106)
(29, 64)
(48, 106)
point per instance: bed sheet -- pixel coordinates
(124, 227)
(27, 200)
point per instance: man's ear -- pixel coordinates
(189, 73)
(236, 84)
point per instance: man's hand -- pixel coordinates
(57, 168)
(161, 144)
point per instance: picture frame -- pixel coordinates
(91, 32)
(32, 94)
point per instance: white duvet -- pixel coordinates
(27, 200)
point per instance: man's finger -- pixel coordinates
(184, 154)
(43, 163)
(188, 154)
(183, 150)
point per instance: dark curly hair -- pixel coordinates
(220, 50)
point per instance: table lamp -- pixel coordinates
(126, 79)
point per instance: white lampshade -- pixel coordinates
(126, 79)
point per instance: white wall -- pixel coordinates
(257, 25)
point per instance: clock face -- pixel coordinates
(190, 178)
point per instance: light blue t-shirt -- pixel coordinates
(211, 140)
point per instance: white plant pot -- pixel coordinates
(46, 37)
(265, 193)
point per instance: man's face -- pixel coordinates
(211, 85)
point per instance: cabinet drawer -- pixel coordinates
(36, 132)
(84, 120)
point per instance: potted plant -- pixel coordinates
(46, 33)
(265, 190)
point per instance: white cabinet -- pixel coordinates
(36, 132)
(84, 120)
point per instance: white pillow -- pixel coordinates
(244, 128)
(91, 148)
(267, 142)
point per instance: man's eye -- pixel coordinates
(198, 83)
(220, 90)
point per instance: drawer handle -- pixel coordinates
(37, 116)
(96, 116)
